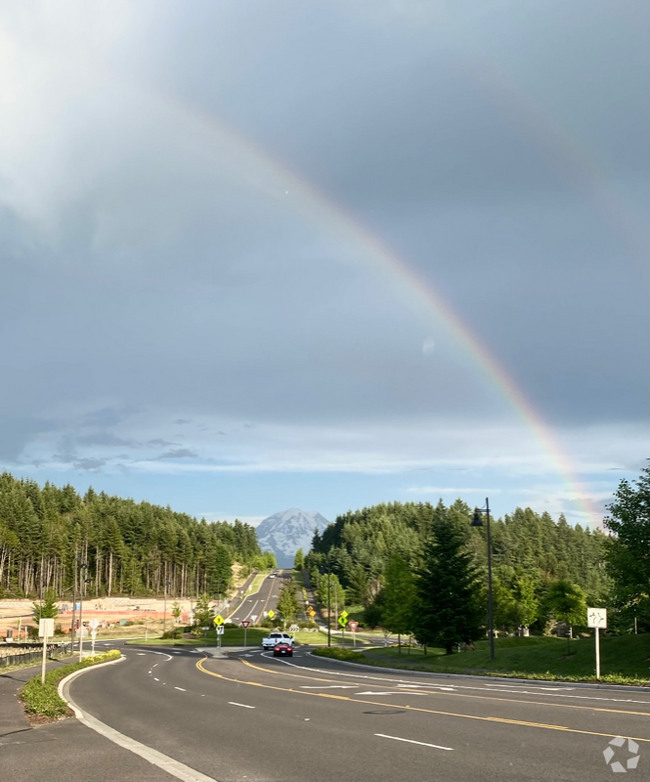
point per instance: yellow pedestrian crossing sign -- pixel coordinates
(271, 614)
(343, 620)
(218, 620)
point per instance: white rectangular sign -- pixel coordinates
(220, 630)
(45, 628)
(597, 617)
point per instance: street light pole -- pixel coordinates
(478, 522)
(83, 580)
(74, 603)
(329, 602)
(165, 607)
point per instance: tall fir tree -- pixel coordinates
(448, 611)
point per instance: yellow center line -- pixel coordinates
(456, 694)
(501, 720)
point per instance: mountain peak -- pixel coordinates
(285, 532)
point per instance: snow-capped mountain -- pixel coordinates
(285, 532)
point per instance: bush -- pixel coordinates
(337, 653)
(43, 698)
(176, 633)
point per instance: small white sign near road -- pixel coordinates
(597, 617)
(94, 624)
(45, 628)
(219, 629)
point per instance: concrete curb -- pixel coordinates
(499, 679)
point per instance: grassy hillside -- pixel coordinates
(622, 656)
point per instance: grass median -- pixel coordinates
(42, 698)
(624, 659)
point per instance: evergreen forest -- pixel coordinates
(399, 561)
(48, 535)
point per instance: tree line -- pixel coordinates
(55, 539)
(420, 569)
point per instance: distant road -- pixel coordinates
(254, 717)
(256, 604)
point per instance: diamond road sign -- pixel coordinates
(218, 620)
(343, 621)
(344, 614)
(271, 614)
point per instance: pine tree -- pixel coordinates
(47, 608)
(203, 613)
(447, 587)
(299, 560)
(398, 598)
(288, 605)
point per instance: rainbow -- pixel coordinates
(265, 172)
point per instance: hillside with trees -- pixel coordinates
(399, 559)
(129, 548)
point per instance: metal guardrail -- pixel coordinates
(16, 657)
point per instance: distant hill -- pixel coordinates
(285, 532)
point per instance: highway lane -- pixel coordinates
(257, 718)
(256, 604)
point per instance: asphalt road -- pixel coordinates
(255, 605)
(252, 717)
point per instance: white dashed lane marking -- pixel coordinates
(411, 741)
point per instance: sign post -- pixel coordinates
(343, 620)
(597, 619)
(245, 624)
(45, 629)
(353, 626)
(218, 621)
(94, 624)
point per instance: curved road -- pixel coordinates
(252, 717)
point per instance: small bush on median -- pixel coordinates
(340, 654)
(43, 698)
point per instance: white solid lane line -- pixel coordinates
(243, 705)
(411, 741)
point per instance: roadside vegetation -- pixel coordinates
(43, 698)
(420, 572)
(624, 659)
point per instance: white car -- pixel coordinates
(274, 639)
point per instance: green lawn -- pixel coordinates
(621, 656)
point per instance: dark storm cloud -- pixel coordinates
(157, 274)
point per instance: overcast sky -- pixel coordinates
(193, 306)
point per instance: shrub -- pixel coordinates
(337, 653)
(43, 698)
